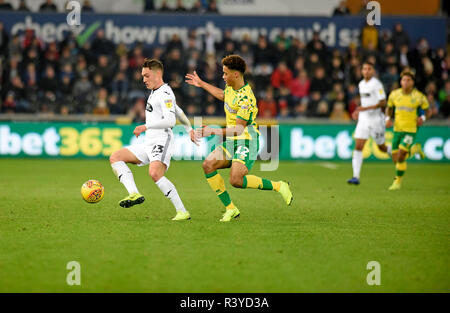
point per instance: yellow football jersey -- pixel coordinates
(406, 107)
(241, 104)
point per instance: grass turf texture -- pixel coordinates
(321, 243)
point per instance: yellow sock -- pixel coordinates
(255, 182)
(217, 184)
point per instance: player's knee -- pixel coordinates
(207, 166)
(236, 181)
(155, 175)
(113, 158)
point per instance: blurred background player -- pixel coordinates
(160, 117)
(405, 102)
(240, 149)
(370, 118)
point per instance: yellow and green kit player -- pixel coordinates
(240, 149)
(406, 103)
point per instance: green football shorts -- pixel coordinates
(403, 140)
(244, 151)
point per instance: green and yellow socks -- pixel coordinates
(400, 169)
(218, 185)
(255, 182)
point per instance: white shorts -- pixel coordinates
(158, 149)
(367, 128)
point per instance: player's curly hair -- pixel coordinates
(153, 64)
(409, 73)
(235, 62)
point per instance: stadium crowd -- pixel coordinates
(291, 78)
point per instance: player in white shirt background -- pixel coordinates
(156, 150)
(370, 118)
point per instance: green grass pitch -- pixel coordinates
(321, 243)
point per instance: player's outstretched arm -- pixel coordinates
(186, 123)
(228, 131)
(194, 80)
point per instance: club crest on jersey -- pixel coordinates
(168, 103)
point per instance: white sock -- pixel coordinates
(125, 176)
(389, 150)
(357, 162)
(169, 190)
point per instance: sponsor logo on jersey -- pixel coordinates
(229, 109)
(405, 108)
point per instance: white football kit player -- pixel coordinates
(371, 122)
(160, 116)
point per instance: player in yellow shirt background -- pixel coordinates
(240, 149)
(404, 104)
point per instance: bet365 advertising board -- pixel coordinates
(284, 142)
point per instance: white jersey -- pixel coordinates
(160, 113)
(371, 92)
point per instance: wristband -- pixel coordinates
(387, 118)
(423, 117)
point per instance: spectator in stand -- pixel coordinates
(404, 57)
(4, 39)
(281, 79)
(14, 46)
(210, 106)
(247, 55)
(49, 87)
(17, 87)
(48, 6)
(337, 74)
(5, 6)
(339, 114)
(438, 59)
(83, 93)
(115, 106)
(283, 109)
(388, 57)
(87, 7)
(354, 103)
(212, 7)
(164, 8)
(301, 108)
(320, 82)
(120, 85)
(137, 111)
(434, 105)
(399, 37)
(317, 46)
(104, 68)
(100, 45)
(297, 50)
(180, 8)
(369, 34)
(197, 7)
(174, 43)
(389, 78)
(149, 5)
(341, 9)
(313, 63)
(9, 105)
(299, 87)
(101, 103)
(267, 107)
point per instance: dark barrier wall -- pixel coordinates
(153, 29)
